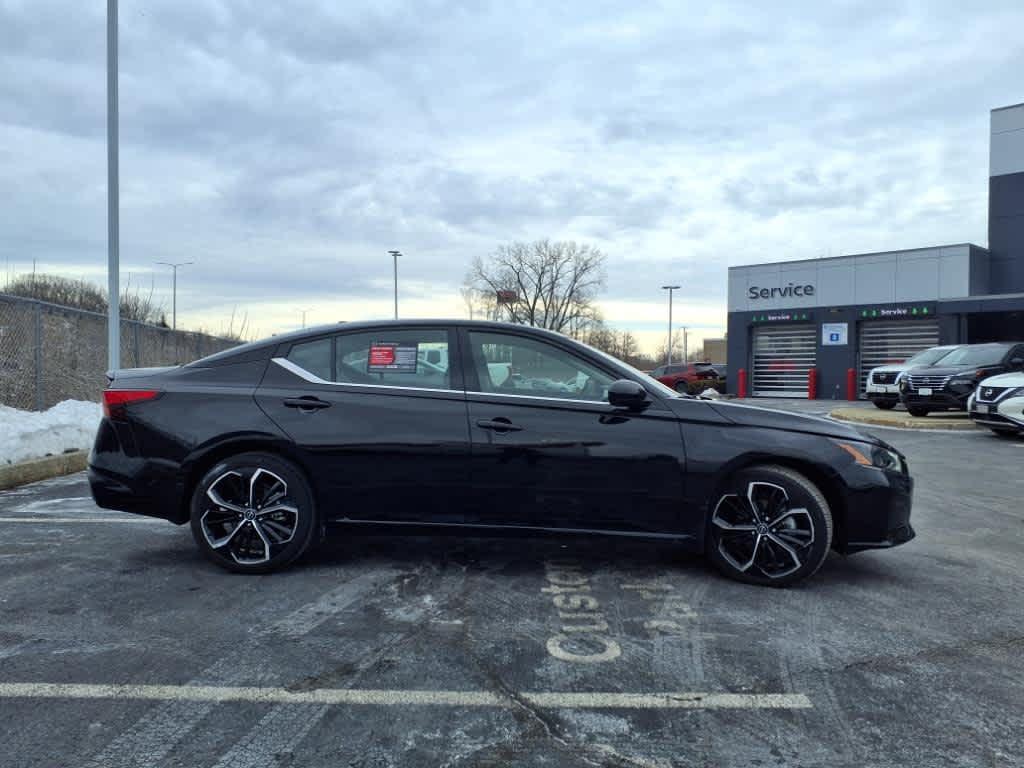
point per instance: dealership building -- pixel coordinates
(863, 310)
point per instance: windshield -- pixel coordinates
(979, 354)
(930, 356)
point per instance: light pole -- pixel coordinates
(396, 254)
(669, 288)
(113, 229)
(304, 311)
(686, 353)
(174, 290)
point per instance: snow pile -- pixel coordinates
(70, 425)
(711, 394)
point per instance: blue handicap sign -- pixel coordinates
(833, 337)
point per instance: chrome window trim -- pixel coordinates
(539, 397)
(302, 373)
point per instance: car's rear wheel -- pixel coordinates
(770, 525)
(253, 513)
(917, 410)
(682, 387)
(885, 405)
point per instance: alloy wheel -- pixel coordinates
(762, 530)
(249, 515)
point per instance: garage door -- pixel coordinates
(885, 343)
(783, 355)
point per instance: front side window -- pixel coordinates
(982, 354)
(398, 358)
(522, 366)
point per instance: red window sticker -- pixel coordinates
(382, 355)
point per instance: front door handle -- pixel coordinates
(498, 425)
(307, 403)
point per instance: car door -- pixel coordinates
(379, 417)
(549, 451)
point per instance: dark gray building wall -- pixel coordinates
(1006, 232)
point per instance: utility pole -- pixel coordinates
(396, 254)
(669, 288)
(113, 198)
(686, 355)
(174, 290)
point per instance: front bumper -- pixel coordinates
(1007, 413)
(878, 505)
(936, 400)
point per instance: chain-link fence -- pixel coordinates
(50, 353)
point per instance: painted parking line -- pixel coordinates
(97, 519)
(397, 697)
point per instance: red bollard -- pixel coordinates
(742, 383)
(812, 384)
(851, 384)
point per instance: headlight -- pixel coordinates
(962, 381)
(873, 456)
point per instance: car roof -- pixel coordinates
(261, 345)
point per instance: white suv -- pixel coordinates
(998, 403)
(882, 387)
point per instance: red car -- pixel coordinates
(679, 377)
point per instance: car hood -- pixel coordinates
(894, 368)
(1012, 379)
(947, 370)
(770, 418)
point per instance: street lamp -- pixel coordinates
(396, 254)
(174, 290)
(304, 311)
(669, 288)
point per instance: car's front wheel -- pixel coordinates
(885, 405)
(253, 513)
(769, 525)
(917, 410)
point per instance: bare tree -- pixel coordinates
(555, 283)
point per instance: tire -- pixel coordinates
(681, 387)
(917, 410)
(885, 405)
(1004, 433)
(746, 547)
(253, 513)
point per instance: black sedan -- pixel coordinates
(484, 428)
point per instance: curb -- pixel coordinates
(12, 475)
(901, 421)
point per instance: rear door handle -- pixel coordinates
(498, 425)
(307, 403)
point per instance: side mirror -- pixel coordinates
(1017, 362)
(626, 393)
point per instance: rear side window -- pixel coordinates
(314, 356)
(398, 358)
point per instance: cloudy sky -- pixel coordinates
(285, 147)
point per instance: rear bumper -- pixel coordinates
(878, 508)
(120, 479)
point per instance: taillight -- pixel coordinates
(115, 400)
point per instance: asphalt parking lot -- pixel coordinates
(120, 646)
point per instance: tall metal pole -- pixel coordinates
(113, 198)
(686, 353)
(174, 289)
(396, 254)
(669, 288)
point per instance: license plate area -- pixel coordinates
(924, 391)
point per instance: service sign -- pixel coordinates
(908, 312)
(782, 317)
(835, 334)
(392, 357)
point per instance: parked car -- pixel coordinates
(882, 386)
(951, 382)
(263, 448)
(998, 403)
(680, 377)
